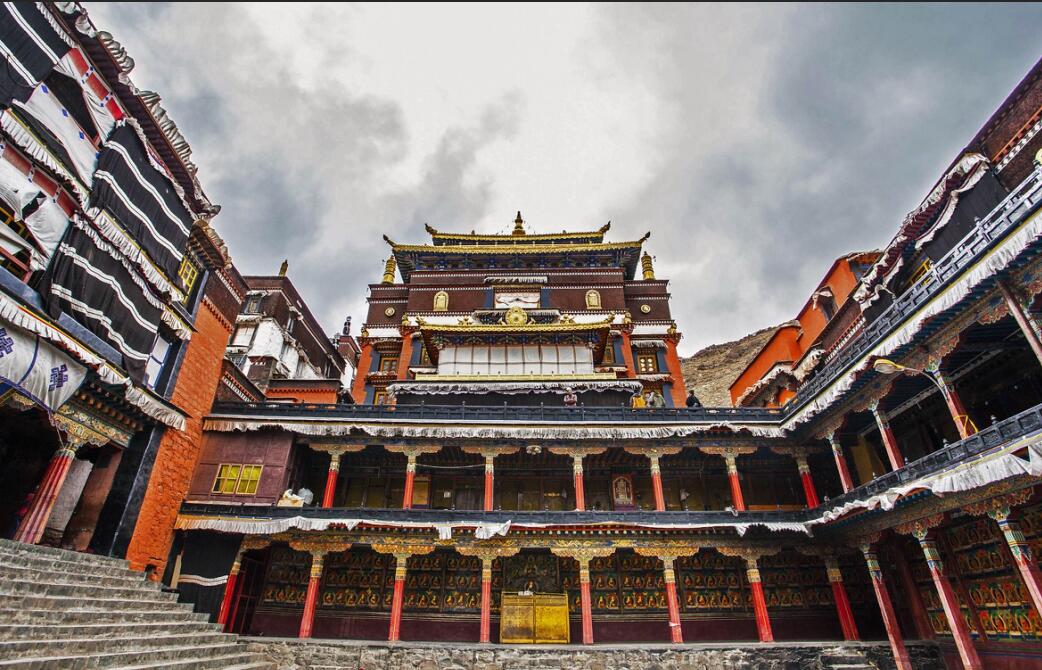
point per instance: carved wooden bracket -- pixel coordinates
(1004, 503)
(919, 527)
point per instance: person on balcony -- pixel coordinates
(692, 400)
(570, 397)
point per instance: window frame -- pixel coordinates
(235, 484)
(654, 369)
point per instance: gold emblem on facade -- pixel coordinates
(516, 316)
(389, 311)
(645, 308)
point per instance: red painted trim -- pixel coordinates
(365, 360)
(580, 493)
(1014, 307)
(808, 489)
(893, 452)
(405, 355)
(763, 621)
(915, 599)
(627, 355)
(893, 631)
(330, 490)
(489, 492)
(410, 477)
(1029, 572)
(956, 622)
(957, 409)
(307, 620)
(844, 471)
(587, 611)
(673, 365)
(35, 521)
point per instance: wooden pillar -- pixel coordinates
(736, 485)
(763, 621)
(410, 478)
(584, 599)
(1022, 556)
(405, 356)
(886, 609)
(307, 621)
(1022, 319)
(915, 598)
(229, 592)
(676, 633)
(893, 453)
(31, 528)
(656, 483)
(486, 599)
(841, 463)
(580, 493)
(331, 478)
(952, 611)
(365, 360)
(673, 365)
(839, 595)
(627, 354)
(952, 400)
(394, 632)
(809, 491)
(489, 479)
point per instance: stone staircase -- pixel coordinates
(61, 609)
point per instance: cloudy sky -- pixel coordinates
(757, 143)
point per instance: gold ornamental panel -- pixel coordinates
(534, 618)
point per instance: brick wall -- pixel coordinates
(179, 450)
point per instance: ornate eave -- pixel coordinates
(459, 239)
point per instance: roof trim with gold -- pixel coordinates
(514, 239)
(516, 248)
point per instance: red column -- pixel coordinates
(229, 592)
(676, 633)
(490, 471)
(365, 360)
(406, 354)
(763, 621)
(673, 365)
(486, 599)
(331, 477)
(410, 477)
(1022, 556)
(886, 609)
(580, 493)
(656, 484)
(1015, 308)
(307, 621)
(915, 599)
(952, 611)
(839, 594)
(809, 491)
(955, 406)
(399, 595)
(30, 530)
(736, 485)
(585, 601)
(627, 354)
(841, 463)
(893, 453)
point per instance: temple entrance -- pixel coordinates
(27, 443)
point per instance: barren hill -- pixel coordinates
(709, 372)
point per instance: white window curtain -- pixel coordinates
(514, 360)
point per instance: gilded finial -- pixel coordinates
(645, 264)
(389, 267)
(605, 228)
(284, 268)
(430, 229)
(519, 224)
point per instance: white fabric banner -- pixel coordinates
(45, 108)
(36, 368)
(48, 224)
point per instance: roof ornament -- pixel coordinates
(519, 224)
(389, 267)
(645, 264)
(347, 326)
(605, 228)
(284, 268)
(431, 230)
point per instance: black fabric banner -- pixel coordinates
(142, 199)
(91, 284)
(30, 48)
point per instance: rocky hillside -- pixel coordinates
(709, 372)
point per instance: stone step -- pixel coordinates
(166, 657)
(80, 604)
(31, 573)
(59, 565)
(17, 587)
(242, 661)
(138, 644)
(114, 616)
(12, 548)
(112, 629)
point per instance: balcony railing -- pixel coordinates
(998, 434)
(503, 413)
(1017, 206)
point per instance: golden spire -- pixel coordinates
(645, 264)
(284, 268)
(518, 223)
(389, 267)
